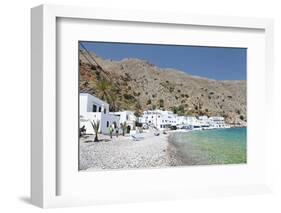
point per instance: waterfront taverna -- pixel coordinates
(94, 109)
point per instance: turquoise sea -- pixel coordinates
(218, 146)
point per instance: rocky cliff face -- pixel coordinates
(133, 84)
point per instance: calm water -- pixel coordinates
(220, 146)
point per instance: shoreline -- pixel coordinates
(125, 153)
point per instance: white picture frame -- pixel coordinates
(45, 168)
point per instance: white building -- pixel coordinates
(128, 117)
(165, 119)
(192, 120)
(217, 122)
(94, 109)
(159, 119)
(203, 121)
(187, 121)
(212, 122)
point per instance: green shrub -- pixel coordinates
(171, 89)
(129, 96)
(161, 103)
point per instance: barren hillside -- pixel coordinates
(133, 84)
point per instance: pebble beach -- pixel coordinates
(125, 153)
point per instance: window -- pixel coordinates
(94, 108)
(104, 110)
(107, 123)
(99, 109)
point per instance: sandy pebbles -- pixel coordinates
(124, 153)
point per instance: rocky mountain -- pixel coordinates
(133, 84)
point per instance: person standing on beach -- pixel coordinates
(117, 132)
(110, 131)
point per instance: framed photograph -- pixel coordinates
(129, 106)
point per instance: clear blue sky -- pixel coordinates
(209, 62)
